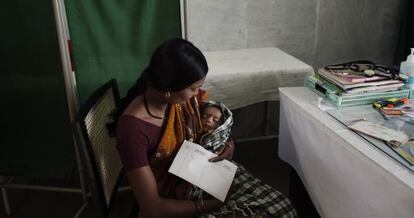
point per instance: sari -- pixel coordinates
(252, 197)
(183, 123)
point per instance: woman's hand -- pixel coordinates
(227, 153)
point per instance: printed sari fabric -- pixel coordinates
(252, 197)
(183, 123)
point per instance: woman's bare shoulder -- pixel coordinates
(137, 109)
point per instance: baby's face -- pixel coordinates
(210, 118)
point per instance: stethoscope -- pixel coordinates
(363, 68)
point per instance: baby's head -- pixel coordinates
(211, 117)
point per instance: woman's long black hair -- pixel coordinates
(175, 65)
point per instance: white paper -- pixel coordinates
(191, 164)
(379, 131)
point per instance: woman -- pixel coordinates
(159, 112)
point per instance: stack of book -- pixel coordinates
(352, 84)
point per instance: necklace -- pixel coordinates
(147, 109)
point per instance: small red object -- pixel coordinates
(405, 100)
(390, 106)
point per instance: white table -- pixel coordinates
(246, 76)
(344, 175)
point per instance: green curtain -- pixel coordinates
(114, 39)
(36, 139)
(111, 39)
(406, 40)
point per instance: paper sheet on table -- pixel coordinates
(379, 131)
(191, 164)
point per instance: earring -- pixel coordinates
(167, 94)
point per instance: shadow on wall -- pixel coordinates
(265, 121)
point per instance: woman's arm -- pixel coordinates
(227, 153)
(151, 204)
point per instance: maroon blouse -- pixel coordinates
(136, 141)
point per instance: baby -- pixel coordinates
(217, 121)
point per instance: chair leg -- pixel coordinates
(5, 197)
(81, 209)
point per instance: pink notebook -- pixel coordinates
(360, 79)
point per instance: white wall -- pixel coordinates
(317, 32)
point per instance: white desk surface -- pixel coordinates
(246, 76)
(344, 175)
